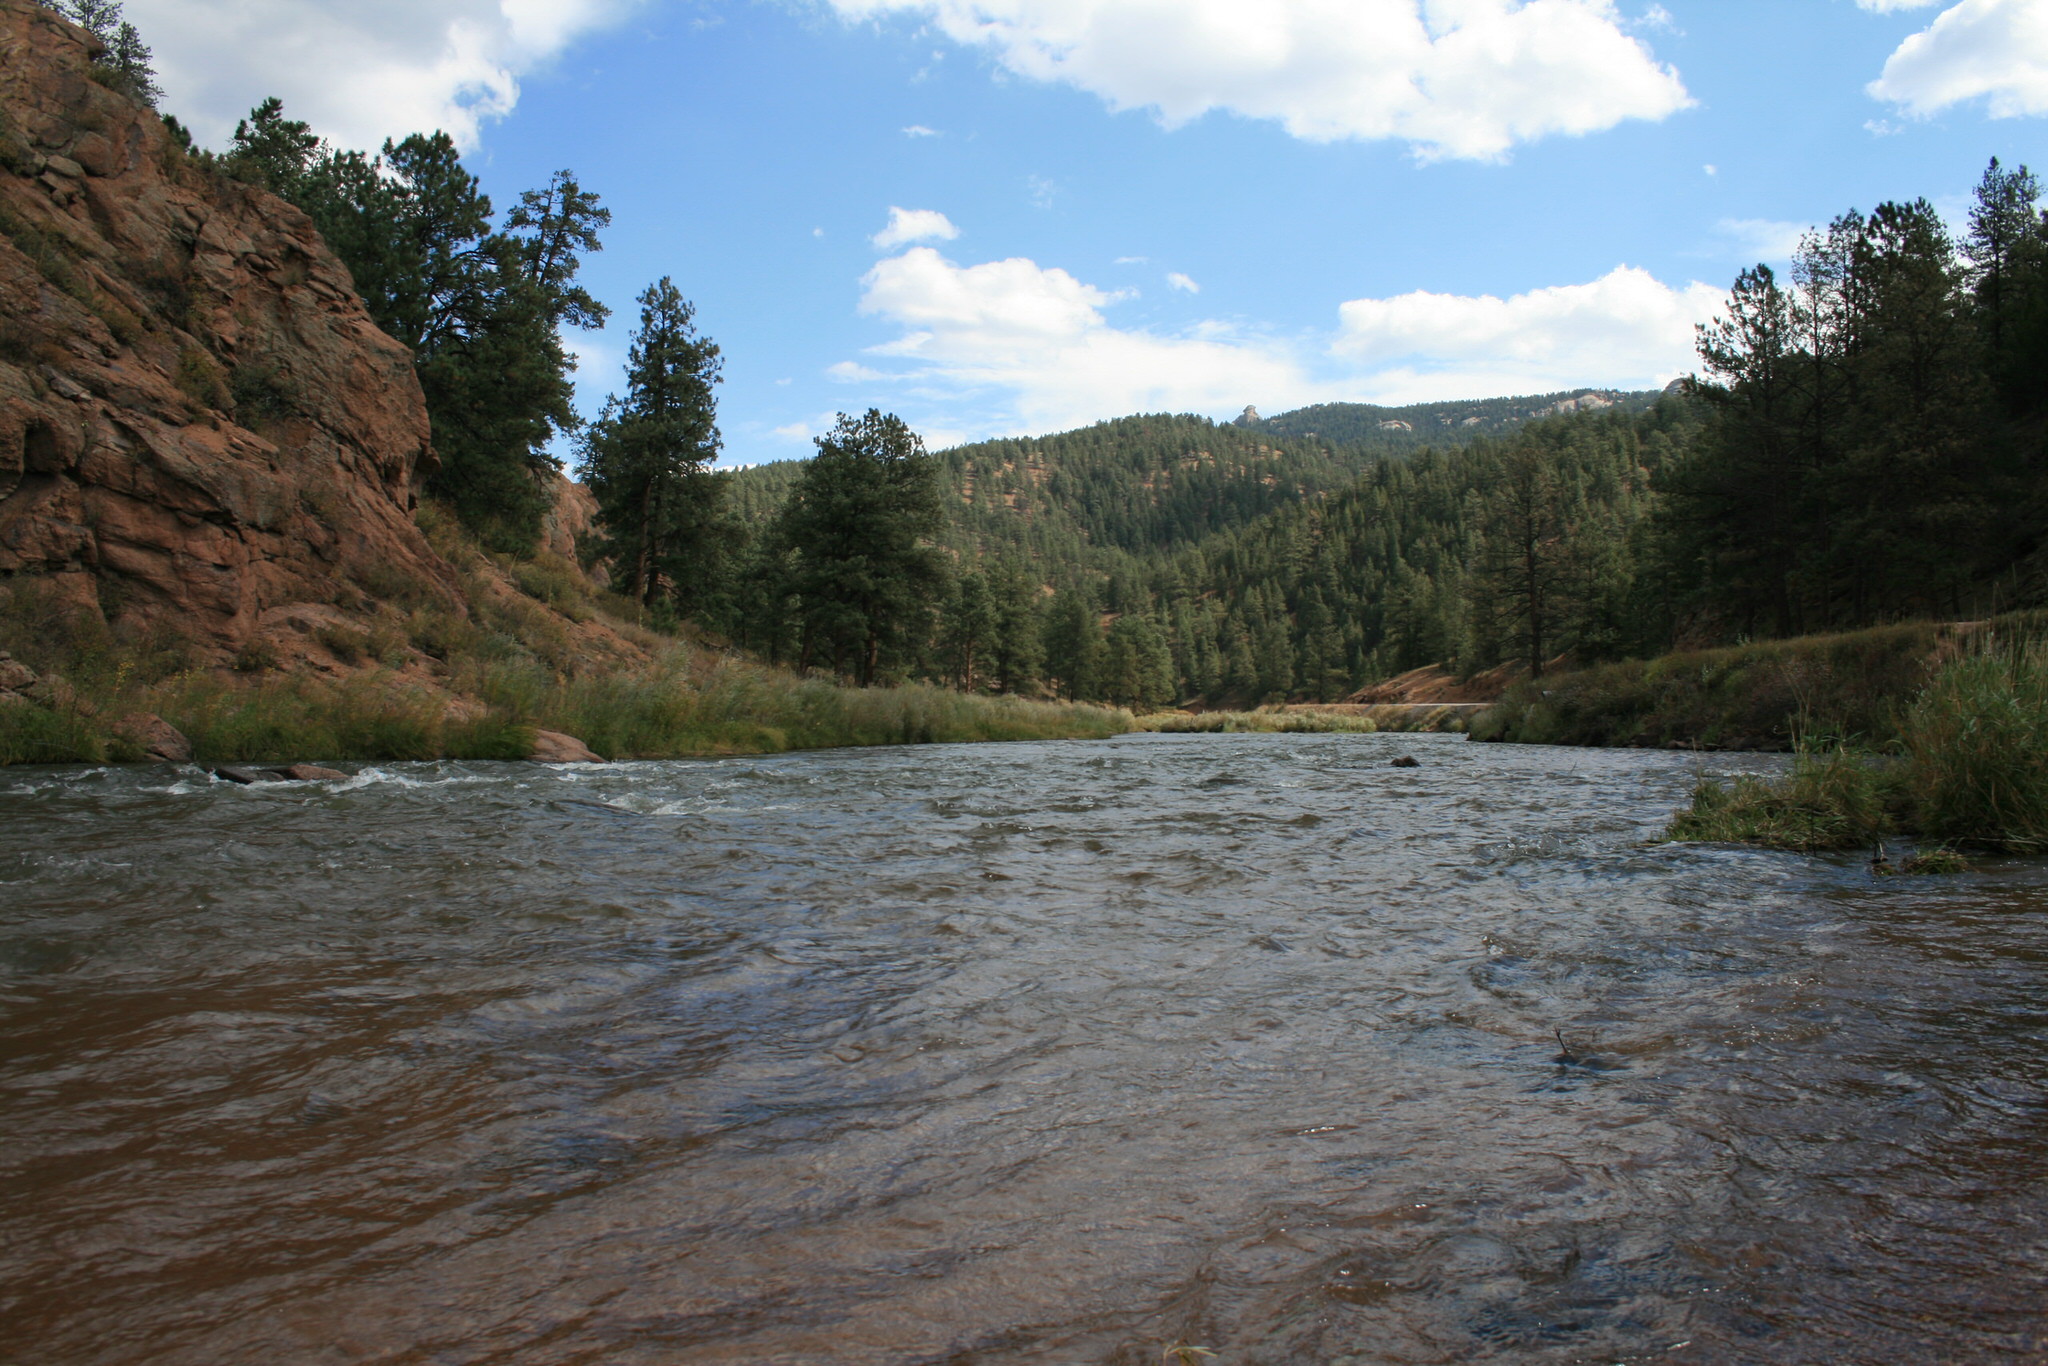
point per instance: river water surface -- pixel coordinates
(1065, 1052)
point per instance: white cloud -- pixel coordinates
(918, 130)
(794, 431)
(1890, 6)
(914, 225)
(1761, 239)
(1180, 281)
(1996, 50)
(1011, 346)
(1625, 330)
(1455, 78)
(358, 72)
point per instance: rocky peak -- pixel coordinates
(200, 425)
(1248, 418)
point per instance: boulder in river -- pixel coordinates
(155, 737)
(1407, 761)
(553, 747)
(228, 773)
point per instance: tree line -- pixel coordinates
(1865, 442)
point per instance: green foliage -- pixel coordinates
(648, 458)
(123, 62)
(482, 310)
(862, 573)
(1269, 721)
(1765, 695)
(1976, 743)
(1832, 799)
(1974, 771)
(44, 735)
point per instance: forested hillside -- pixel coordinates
(1422, 424)
(1864, 443)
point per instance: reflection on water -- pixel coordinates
(1033, 1053)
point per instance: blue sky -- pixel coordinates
(1016, 216)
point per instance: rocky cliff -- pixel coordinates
(200, 426)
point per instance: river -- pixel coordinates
(1047, 1053)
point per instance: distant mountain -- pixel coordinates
(1082, 502)
(1091, 502)
(1439, 424)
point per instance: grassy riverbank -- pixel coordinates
(403, 673)
(1969, 766)
(1852, 688)
(689, 703)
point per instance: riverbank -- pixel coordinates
(532, 645)
(1970, 767)
(1852, 688)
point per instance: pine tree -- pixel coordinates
(123, 62)
(859, 524)
(648, 458)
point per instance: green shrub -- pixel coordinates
(38, 735)
(1976, 744)
(1831, 800)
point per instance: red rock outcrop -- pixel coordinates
(200, 426)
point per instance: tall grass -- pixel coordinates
(689, 702)
(699, 702)
(1765, 695)
(1970, 767)
(1266, 721)
(515, 661)
(1976, 743)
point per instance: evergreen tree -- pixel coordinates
(1017, 651)
(971, 625)
(1073, 645)
(647, 459)
(858, 524)
(123, 62)
(272, 151)
(482, 310)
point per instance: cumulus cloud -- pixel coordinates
(358, 72)
(1184, 282)
(1996, 50)
(1625, 330)
(1012, 346)
(914, 225)
(1454, 78)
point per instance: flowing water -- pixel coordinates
(1066, 1052)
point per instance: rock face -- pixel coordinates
(200, 426)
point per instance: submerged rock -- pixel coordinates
(309, 773)
(1407, 761)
